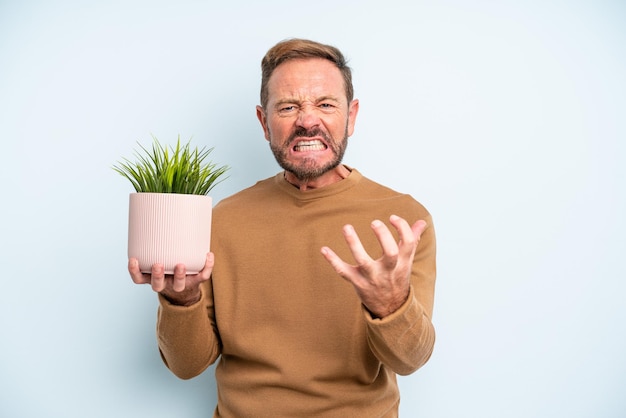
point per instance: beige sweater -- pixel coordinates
(293, 337)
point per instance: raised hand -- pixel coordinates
(383, 284)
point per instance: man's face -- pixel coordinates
(308, 119)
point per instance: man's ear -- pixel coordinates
(353, 110)
(260, 114)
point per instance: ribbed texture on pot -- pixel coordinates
(169, 228)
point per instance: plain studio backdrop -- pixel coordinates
(505, 118)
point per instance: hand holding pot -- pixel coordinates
(178, 288)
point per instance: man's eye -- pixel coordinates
(286, 109)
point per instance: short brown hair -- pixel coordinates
(302, 48)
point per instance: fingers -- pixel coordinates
(176, 282)
(356, 247)
(341, 267)
(205, 273)
(381, 284)
(135, 273)
(364, 262)
(393, 250)
(180, 275)
(181, 280)
(387, 242)
(418, 229)
(157, 278)
(408, 235)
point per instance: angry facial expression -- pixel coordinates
(308, 119)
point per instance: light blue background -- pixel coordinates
(505, 118)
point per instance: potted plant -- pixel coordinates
(170, 214)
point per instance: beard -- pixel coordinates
(308, 169)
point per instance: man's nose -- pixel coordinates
(307, 117)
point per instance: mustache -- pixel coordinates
(301, 132)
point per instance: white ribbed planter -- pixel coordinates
(169, 229)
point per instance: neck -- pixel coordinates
(330, 177)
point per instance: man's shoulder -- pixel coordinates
(376, 191)
(251, 193)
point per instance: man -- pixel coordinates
(308, 317)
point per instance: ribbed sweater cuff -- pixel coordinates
(172, 309)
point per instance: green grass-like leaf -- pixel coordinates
(181, 169)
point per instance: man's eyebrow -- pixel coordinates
(291, 100)
(324, 98)
(285, 101)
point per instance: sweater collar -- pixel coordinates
(353, 178)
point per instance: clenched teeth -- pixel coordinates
(315, 145)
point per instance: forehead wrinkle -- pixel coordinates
(300, 80)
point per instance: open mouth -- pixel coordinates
(312, 145)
